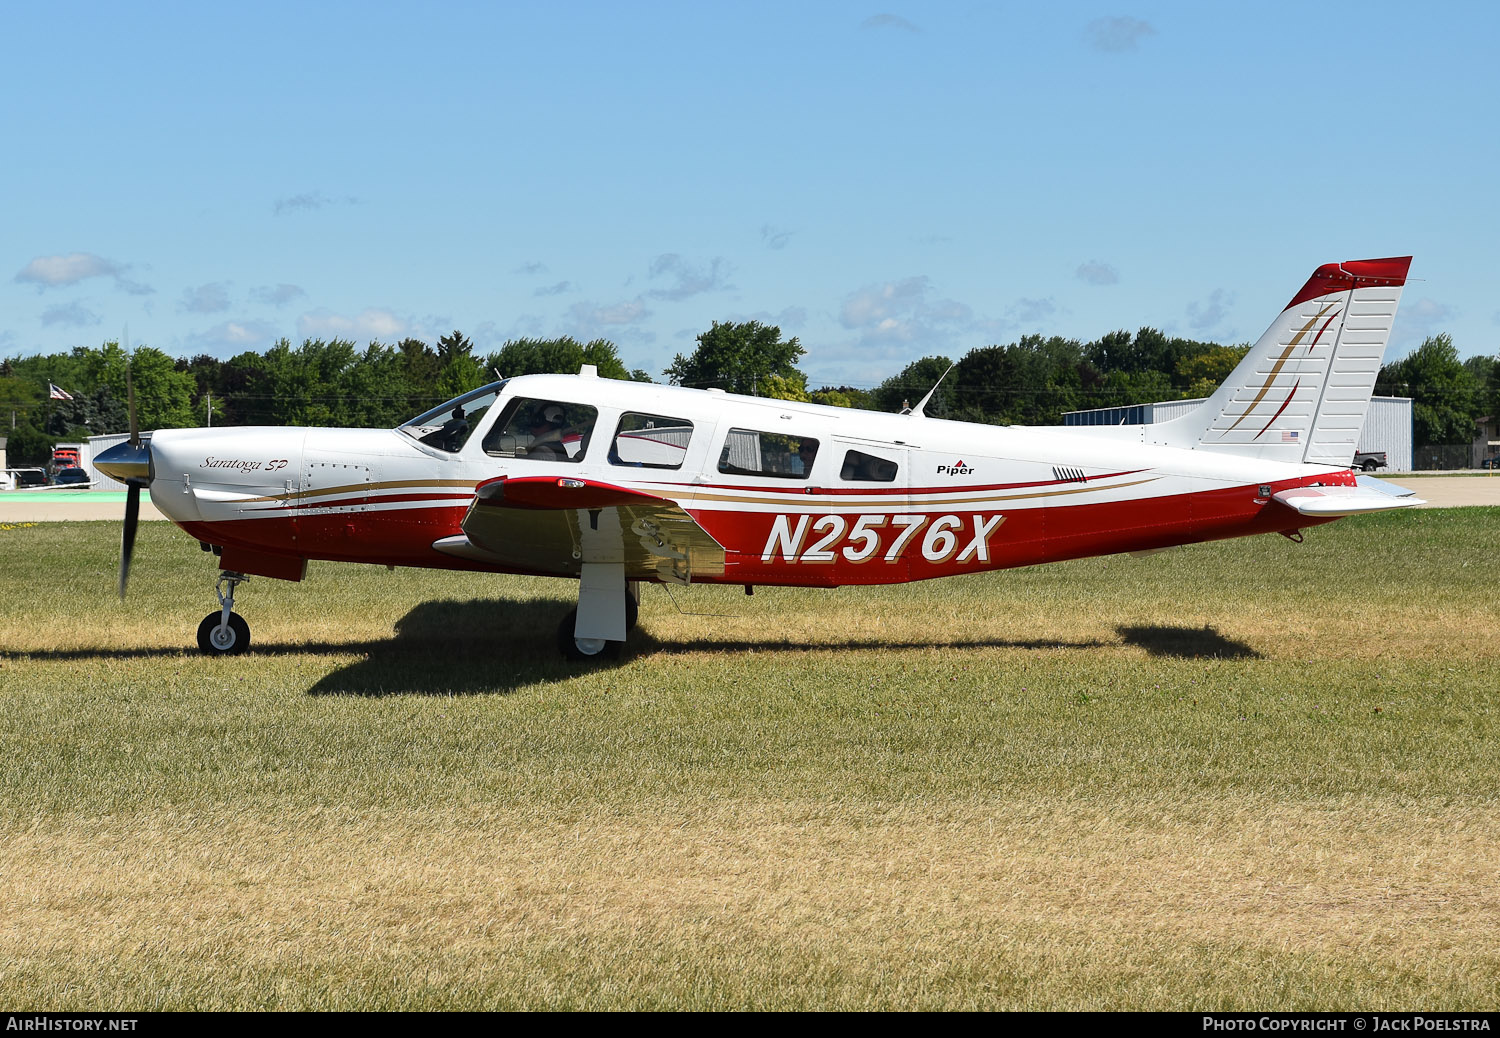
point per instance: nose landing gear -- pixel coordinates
(225, 632)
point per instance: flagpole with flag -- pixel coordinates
(55, 393)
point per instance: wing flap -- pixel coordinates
(554, 525)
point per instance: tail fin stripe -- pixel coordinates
(1276, 368)
(1281, 408)
(1321, 331)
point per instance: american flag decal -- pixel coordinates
(1289, 435)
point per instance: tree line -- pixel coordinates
(1033, 381)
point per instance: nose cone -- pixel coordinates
(126, 461)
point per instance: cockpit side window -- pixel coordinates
(860, 467)
(748, 452)
(650, 441)
(542, 430)
(448, 427)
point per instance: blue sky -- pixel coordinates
(884, 182)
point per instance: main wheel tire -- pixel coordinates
(216, 639)
(582, 649)
(632, 611)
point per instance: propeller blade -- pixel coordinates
(135, 429)
(127, 537)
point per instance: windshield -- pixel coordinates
(447, 426)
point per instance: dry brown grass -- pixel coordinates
(1033, 903)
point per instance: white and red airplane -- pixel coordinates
(612, 483)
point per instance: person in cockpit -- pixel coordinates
(455, 430)
(546, 434)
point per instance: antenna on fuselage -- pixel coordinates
(923, 402)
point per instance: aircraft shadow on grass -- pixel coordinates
(1186, 642)
(496, 646)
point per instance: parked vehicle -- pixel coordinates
(1491, 463)
(24, 478)
(1369, 461)
(71, 477)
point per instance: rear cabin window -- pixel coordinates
(542, 430)
(749, 452)
(866, 468)
(650, 441)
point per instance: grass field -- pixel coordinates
(1245, 775)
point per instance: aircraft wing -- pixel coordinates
(547, 524)
(1370, 495)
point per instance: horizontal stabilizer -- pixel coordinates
(1370, 495)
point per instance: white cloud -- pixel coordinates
(774, 237)
(299, 203)
(71, 315)
(1206, 317)
(1030, 311)
(789, 319)
(1417, 320)
(58, 271)
(371, 323)
(212, 298)
(1097, 272)
(630, 312)
(486, 337)
(277, 295)
(554, 290)
(889, 21)
(903, 311)
(238, 335)
(587, 321)
(531, 268)
(691, 278)
(895, 323)
(52, 271)
(1115, 35)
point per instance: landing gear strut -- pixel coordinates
(225, 632)
(610, 606)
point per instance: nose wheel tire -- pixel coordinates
(581, 649)
(219, 639)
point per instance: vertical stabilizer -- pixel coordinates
(1301, 393)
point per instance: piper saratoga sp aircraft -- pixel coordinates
(612, 483)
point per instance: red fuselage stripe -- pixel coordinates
(984, 537)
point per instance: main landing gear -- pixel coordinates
(225, 632)
(608, 607)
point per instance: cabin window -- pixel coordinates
(749, 452)
(866, 468)
(542, 430)
(448, 427)
(650, 441)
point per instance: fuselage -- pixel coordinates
(795, 493)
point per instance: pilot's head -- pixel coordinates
(547, 416)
